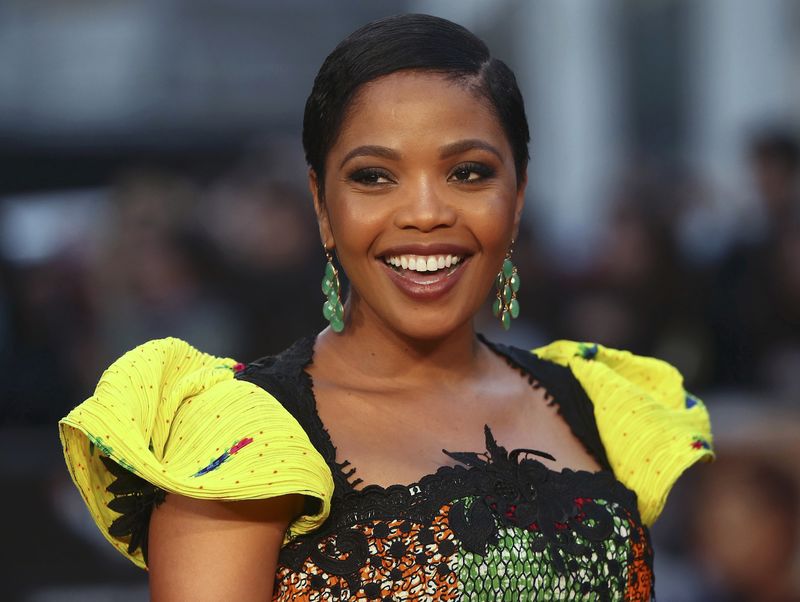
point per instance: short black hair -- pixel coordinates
(409, 42)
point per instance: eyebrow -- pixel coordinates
(370, 150)
(461, 146)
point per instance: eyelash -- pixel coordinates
(368, 176)
(483, 172)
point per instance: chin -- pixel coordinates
(430, 327)
(420, 321)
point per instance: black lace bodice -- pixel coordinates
(496, 526)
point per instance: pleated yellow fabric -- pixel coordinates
(177, 418)
(651, 428)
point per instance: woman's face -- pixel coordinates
(421, 201)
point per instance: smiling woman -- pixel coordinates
(330, 468)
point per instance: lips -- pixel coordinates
(425, 273)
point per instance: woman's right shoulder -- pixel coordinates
(179, 420)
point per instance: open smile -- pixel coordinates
(425, 277)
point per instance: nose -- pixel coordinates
(425, 206)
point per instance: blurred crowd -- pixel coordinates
(665, 280)
(232, 264)
(226, 266)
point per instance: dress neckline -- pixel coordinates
(344, 472)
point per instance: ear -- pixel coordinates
(519, 203)
(323, 221)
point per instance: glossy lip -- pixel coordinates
(425, 289)
(428, 290)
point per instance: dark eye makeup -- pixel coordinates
(464, 173)
(468, 173)
(370, 176)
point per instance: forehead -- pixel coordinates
(423, 106)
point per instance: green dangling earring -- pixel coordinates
(332, 309)
(505, 305)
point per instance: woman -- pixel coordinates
(370, 461)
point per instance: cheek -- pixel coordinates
(491, 221)
(355, 225)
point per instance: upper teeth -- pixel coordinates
(423, 263)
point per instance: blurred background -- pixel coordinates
(152, 183)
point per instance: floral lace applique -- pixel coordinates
(135, 500)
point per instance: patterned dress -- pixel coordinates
(496, 526)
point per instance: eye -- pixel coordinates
(471, 172)
(371, 176)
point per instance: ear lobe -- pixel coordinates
(325, 232)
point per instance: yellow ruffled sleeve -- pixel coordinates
(651, 428)
(177, 418)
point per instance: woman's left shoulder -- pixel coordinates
(651, 427)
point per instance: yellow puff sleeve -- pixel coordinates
(175, 418)
(651, 428)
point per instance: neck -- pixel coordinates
(368, 349)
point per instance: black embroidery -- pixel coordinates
(351, 543)
(135, 500)
(516, 490)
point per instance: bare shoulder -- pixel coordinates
(206, 550)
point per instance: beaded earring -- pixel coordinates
(332, 309)
(505, 305)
